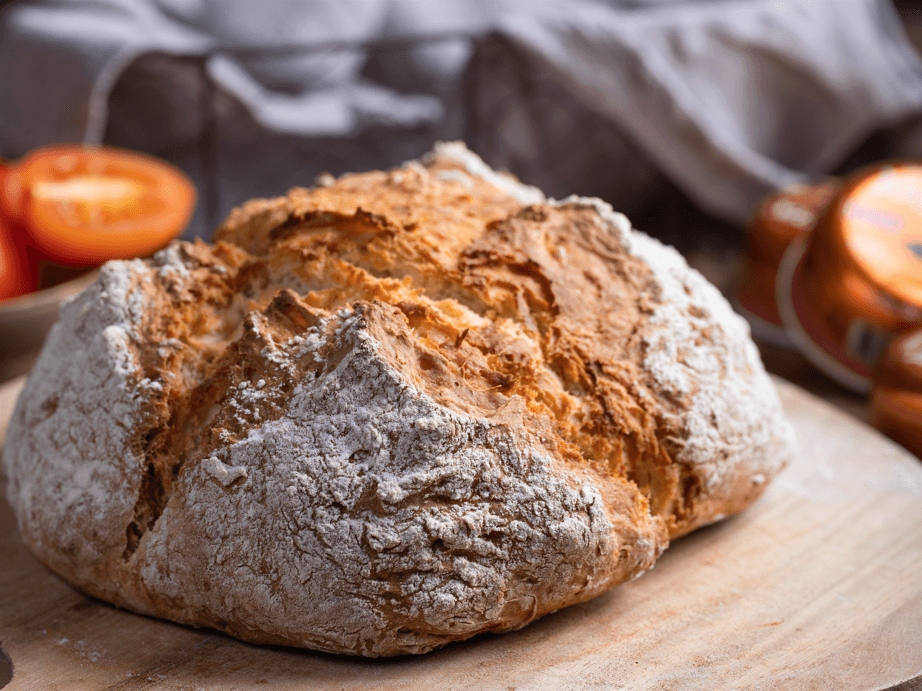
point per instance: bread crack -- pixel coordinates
(394, 411)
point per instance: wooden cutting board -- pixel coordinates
(816, 586)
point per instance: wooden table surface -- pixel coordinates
(816, 586)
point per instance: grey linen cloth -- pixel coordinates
(730, 100)
(727, 99)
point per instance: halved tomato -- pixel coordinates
(82, 206)
(16, 275)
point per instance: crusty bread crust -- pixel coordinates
(386, 413)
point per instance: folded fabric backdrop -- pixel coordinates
(728, 99)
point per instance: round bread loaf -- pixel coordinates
(390, 412)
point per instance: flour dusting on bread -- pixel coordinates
(392, 411)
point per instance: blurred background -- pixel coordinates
(684, 114)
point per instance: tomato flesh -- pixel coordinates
(82, 206)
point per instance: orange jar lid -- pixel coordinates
(780, 219)
(901, 365)
(785, 216)
(898, 414)
(857, 280)
(896, 401)
(881, 226)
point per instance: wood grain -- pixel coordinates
(817, 586)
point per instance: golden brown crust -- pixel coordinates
(387, 413)
(565, 304)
